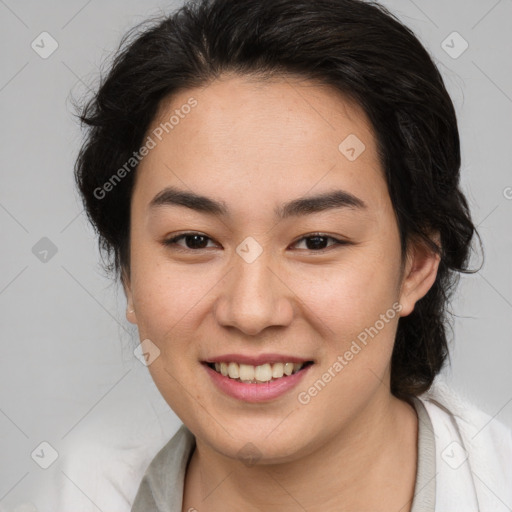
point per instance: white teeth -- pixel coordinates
(262, 373)
(277, 370)
(246, 372)
(288, 368)
(233, 370)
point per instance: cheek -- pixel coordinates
(161, 295)
(358, 310)
(351, 295)
(169, 302)
(163, 299)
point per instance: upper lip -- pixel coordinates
(256, 360)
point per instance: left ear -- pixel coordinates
(127, 287)
(419, 274)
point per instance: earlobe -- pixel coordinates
(130, 308)
(130, 314)
(420, 274)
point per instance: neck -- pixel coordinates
(368, 465)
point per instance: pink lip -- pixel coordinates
(256, 392)
(256, 360)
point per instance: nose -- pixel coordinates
(253, 297)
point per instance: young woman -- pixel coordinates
(277, 183)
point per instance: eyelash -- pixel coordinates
(172, 242)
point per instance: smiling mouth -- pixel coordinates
(261, 374)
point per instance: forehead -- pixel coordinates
(261, 137)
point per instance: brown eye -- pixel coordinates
(197, 241)
(318, 242)
(193, 241)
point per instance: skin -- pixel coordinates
(256, 145)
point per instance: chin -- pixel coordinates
(256, 442)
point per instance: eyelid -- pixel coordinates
(172, 241)
(338, 241)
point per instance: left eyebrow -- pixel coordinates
(319, 203)
(172, 196)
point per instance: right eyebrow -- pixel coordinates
(172, 196)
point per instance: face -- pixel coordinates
(262, 235)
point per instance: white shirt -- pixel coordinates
(473, 462)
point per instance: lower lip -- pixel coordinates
(262, 392)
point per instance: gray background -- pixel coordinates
(67, 369)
